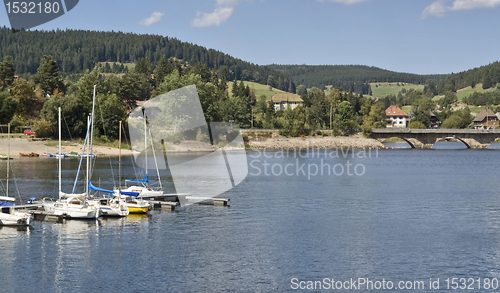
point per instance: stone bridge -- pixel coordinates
(426, 138)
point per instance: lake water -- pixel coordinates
(389, 216)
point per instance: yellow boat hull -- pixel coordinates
(138, 210)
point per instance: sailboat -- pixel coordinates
(73, 206)
(110, 207)
(141, 186)
(132, 195)
(9, 216)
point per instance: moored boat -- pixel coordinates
(9, 216)
(71, 206)
(32, 154)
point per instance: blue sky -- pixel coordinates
(418, 36)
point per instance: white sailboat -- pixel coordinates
(110, 207)
(9, 216)
(133, 194)
(72, 206)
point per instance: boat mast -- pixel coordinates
(60, 155)
(120, 157)
(89, 149)
(92, 129)
(8, 160)
(87, 154)
(154, 155)
(145, 144)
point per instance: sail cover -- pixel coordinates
(138, 180)
(92, 187)
(129, 193)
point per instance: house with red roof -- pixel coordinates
(396, 117)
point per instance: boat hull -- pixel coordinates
(72, 211)
(138, 209)
(16, 219)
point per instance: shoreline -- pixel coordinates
(27, 145)
(316, 142)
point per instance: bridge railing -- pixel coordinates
(410, 130)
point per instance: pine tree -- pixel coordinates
(6, 72)
(47, 76)
(160, 71)
(143, 66)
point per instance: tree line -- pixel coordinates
(34, 101)
(488, 76)
(354, 78)
(77, 50)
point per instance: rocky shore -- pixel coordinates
(326, 142)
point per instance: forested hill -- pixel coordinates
(76, 51)
(487, 75)
(348, 77)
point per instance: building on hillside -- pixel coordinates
(485, 119)
(282, 101)
(396, 117)
(435, 122)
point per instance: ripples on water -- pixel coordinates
(413, 215)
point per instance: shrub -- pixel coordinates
(43, 128)
(417, 125)
(284, 132)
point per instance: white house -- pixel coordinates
(396, 117)
(282, 101)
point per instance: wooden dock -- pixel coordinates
(172, 200)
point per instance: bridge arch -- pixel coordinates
(460, 139)
(408, 141)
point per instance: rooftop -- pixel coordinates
(482, 115)
(278, 98)
(394, 111)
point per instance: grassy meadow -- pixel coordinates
(259, 89)
(383, 89)
(467, 91)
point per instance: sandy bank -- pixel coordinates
(26, 145)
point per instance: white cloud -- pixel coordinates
(224, 10)
(471, 4)
(155, 17)
(435, 9)
(439, 8)
(217, 17)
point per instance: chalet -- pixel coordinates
(282, 101)
(485, 119)
(396, 117)
(435, 122)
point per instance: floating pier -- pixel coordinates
(216, 201)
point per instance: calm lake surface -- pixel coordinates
(402, 215)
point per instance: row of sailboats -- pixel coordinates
(84, 205)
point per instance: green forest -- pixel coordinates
(77, 50)
(356, 78)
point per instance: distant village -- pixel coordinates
(486, 119)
